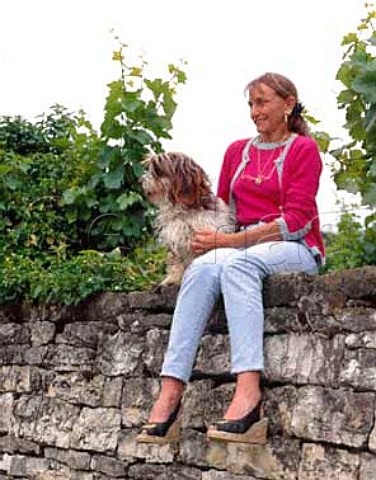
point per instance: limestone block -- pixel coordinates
(193, 448)
(12, 354)
(5, 461)
(59, 472)
(137, 322)
(63, 474)
(367, 466)
(336, 416)
(96, 429)
(161, 300)
(65, 358)
(285, 289)
(49, 421)
(27, 466)
(129, 450)
(11, 444)
(365, 339)
(243, 458)
(216, 475)
(76, 387)
(214, 355)
(71, 458)
(204, 404)
(279, 404)
(48, 312)
(42, 332)
(6, 409)
(155, 347)
(85, 476)
(139, 394)
(55, 475)
(120, 354)
(357, 283)
(319, 463)
(163, 472)
(278, 459)
(35, 355)
(19, 379)
(303, 358)
(359, 369)
(281, 320)
(286, 452)
(356, 319)
(105, 307)
(83, 334)
(112, 389)
(109, 466)
(11, 334)
(25, 412)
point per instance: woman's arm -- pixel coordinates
(205, 240)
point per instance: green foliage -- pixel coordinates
(138, 115)
(71, 203)
(39, 162)
(352, 245)
(322, 138)
(69, 280)
(355, 169)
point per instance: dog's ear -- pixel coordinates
(190, 184)
(161, 166)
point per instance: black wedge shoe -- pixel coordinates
(162, 432)
(251, 428)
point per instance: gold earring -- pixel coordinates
(287, 114)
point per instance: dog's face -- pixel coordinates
(175, 178)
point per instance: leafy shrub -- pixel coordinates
(355, 169)
(67, 281)
(138, 114)
(71, 200)
(352, 245)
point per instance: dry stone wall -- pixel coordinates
(77, 382)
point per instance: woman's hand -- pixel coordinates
(205, 240)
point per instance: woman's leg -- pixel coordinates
(198, 294)
(242, 283)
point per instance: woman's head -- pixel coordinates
(273, 99)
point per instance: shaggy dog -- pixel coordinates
(181, 190)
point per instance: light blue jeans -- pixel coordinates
(238, 274)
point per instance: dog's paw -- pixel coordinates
(171, 280)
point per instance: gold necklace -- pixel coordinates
(260, 177)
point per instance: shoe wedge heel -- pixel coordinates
(172, 435)
(162, 432)
(257, 434)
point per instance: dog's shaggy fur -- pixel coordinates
(181, 190)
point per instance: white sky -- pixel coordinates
(60, 52)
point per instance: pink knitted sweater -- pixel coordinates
(287, 192)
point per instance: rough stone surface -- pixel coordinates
(334, 416)
(216, 475)
(77, 382)
(318, 463)
(367, 466)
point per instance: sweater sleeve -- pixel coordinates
(300, 182)
(231, 160)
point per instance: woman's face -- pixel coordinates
(268, 109)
